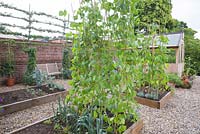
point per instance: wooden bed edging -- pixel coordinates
(152, 103)
(30, 125)
(21, 105)
(134, 129)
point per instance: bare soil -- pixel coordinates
(24, 94)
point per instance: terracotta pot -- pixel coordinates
(10, 82)
(186, 81)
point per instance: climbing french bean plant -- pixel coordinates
(106, 64)
(153, 59)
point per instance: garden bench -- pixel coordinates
(49, 68)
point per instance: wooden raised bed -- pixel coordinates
(153, 103)
(17, 106)
(134, 129)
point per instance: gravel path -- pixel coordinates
(22, 118)
(180, 116)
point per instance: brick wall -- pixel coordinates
(45, 53)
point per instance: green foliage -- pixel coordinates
(66, 64)
(56, 86)
(77, 124)
(140, 93)
(88, 123)
(57, 127)
(107, 66)
(152, 66)
(7, 67)
(154, 12)
(190, 67)
(173, 78)
(48, 122)
(192, 50)
(39, 77)
(175, 25)
(102, 69)
(63, 13)
(52, 85)
(28, 76)
(35, 91)
(171, 55)
(65, 116)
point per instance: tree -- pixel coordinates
(192, 50)
(175, 25)
(154, 12)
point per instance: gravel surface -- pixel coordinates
(180, 116)
(19, 119)
(22, 118)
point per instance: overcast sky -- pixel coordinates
(184, 10)
(189, 12)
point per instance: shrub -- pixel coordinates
(189, 67)
(39, 77)
(28, 76)
(192, 50)
(8, 66)
(173, 78)
(66, 64)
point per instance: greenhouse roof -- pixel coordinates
(174, 39)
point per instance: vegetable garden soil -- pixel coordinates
(24, 94)
(40, 128)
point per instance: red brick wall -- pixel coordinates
(46, 53)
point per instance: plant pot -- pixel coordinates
(10, 82)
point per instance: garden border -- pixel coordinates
(133, 129)
(153, 103)
(27, 126)
(21, 105)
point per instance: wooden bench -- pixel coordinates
(49, 68)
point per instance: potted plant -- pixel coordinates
(8, 67)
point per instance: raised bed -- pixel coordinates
(135, 128)
(41, 128)
(21, 99)
(154, 103)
